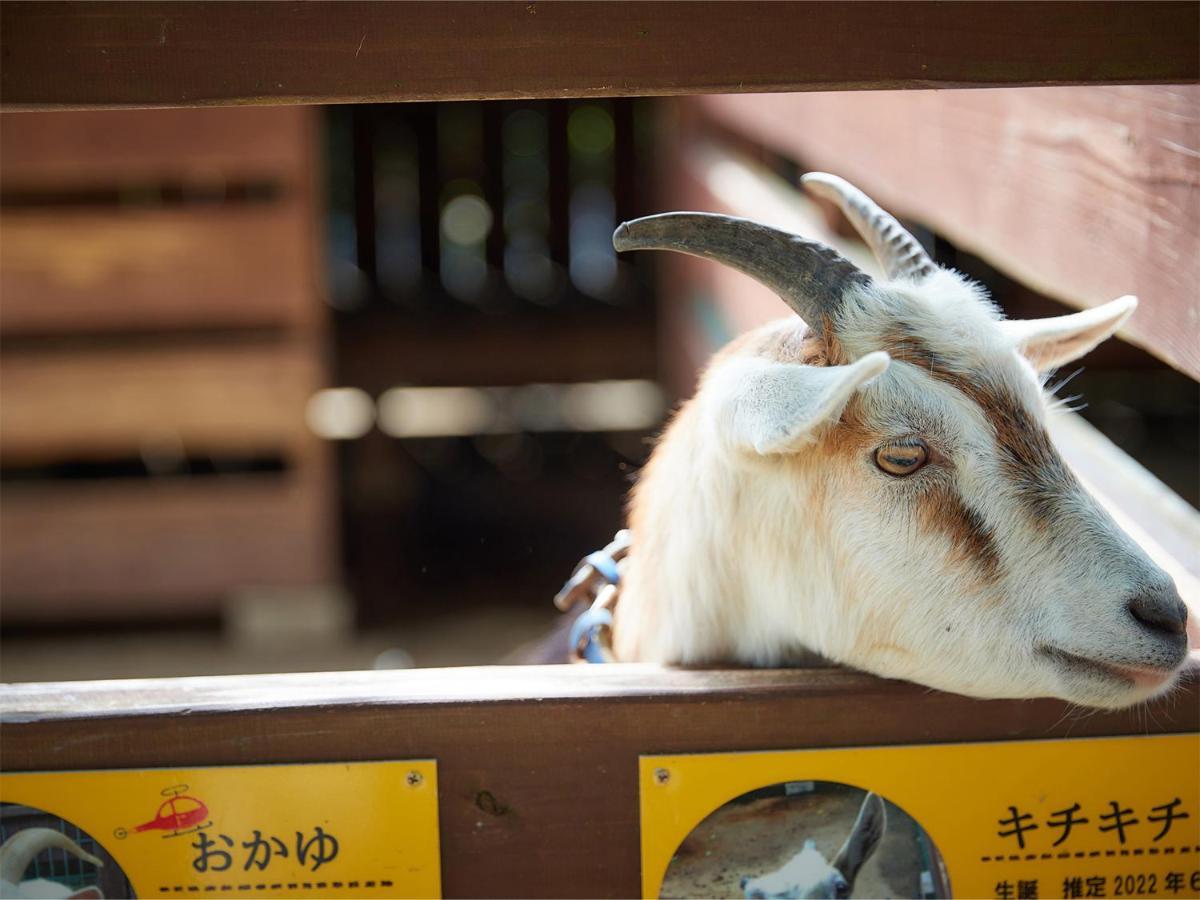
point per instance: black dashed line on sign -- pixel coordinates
(322, 885)
(1078, 854)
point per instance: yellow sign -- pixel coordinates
(1105, 817)
(321, 830)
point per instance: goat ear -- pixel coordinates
(868, 829)
(772, 407)
(1050, 343)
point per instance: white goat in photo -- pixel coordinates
(22, 848)
(873, 482)
(809, 874)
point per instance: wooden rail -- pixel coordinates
(537, 766)
(71, 55)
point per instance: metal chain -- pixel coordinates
(595, 580)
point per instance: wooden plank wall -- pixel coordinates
(537, 766)
(1083, 194)
(161, 303)
(71, 265)
(60, 55)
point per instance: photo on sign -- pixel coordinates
(807, 839)
(43, 855)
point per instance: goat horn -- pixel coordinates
(20, 849)
(809, 276)
(900, 254)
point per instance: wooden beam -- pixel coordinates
(159, 547)
(113, 54)
(105, 270)
(201, 147)
(229, 245)
(1083, 194)
(96, 402)
(537, 766)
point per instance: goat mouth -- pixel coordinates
(1123, 673)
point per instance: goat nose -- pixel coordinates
(1160, 609)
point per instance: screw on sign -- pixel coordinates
(414, 778)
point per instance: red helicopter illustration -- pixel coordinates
(180, 814)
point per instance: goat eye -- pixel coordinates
(902, 457)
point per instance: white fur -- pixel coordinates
(41, 889)
(755, 542)
(22, 848)
(807, 874)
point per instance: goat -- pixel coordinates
(873, 482)
(810, 874)
(21, 849)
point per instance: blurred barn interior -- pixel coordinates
(303, 388)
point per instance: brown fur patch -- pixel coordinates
(1026, 454)
(941, 509)
(793, 342)
(834, 353)
(852, 436)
